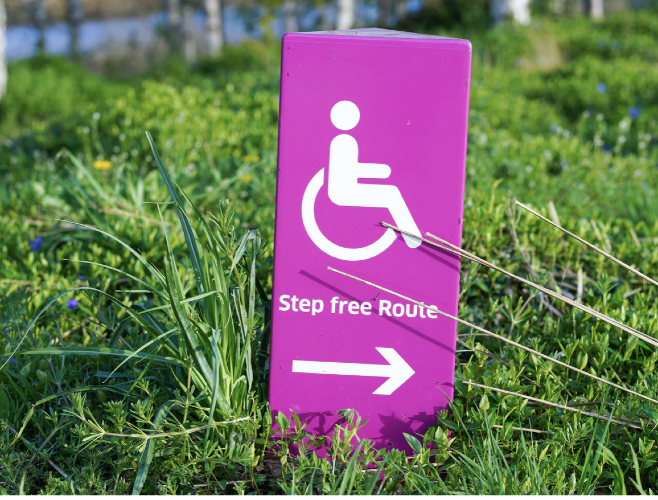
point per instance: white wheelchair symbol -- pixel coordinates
(345, 190)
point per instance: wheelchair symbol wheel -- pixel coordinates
(328, 247)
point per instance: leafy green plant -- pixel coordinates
(209, 334)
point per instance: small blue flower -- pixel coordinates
(72, 304)
(634, 112)
(11, 361)
(601, 88)
(606, 148)
(36, 244)
(82, 277)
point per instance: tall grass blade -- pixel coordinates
(154, 271)
(214, 396)
(637, 482)
(370, 487)
(618, 473)
(149, 449)
(584, 485)
(99, 351)
(350, 474)
(185, 325)
(188, 232)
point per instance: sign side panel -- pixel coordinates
(413, 104)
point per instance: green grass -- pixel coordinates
(155, 382)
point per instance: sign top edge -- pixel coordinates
(377, 33)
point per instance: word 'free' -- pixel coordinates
(337, 306)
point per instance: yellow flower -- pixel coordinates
(246, 178)
(102, 165)
(251, 158)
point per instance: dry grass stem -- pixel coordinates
(499, 337)
(131, 215)
(589, 403)
(168, 434)
(556, 405)
(559, 296)
(534, 431)
(584, 242)
(449, 247)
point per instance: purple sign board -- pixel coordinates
(372, 128)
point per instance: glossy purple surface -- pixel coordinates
(412, 94)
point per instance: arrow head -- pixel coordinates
(400, 371)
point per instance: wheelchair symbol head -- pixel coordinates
(345, 115)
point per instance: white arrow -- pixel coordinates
(397, 370)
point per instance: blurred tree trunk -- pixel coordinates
(290, 16)
(189, 42)
(74, 16)
(385, 8)
(215, 26)
(518, 10)
(175, 18)
(346, 14)
(3, 46)
(325, 18)
(400, 10)
(594, 8)
(37, 11)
